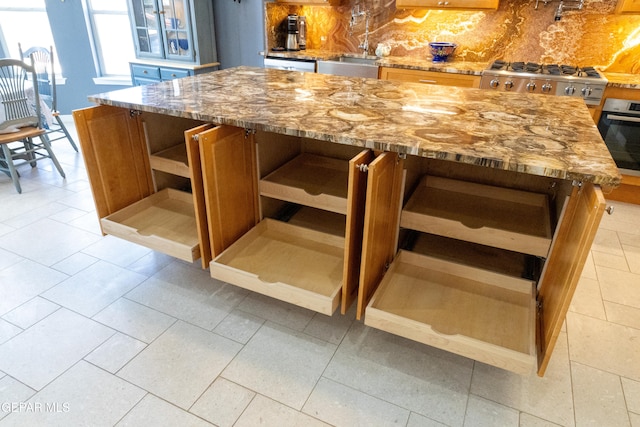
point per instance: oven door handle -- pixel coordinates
(623, 118)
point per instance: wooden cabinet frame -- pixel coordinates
(449, 4)
(542, 312)
(137, 164)
(429, 77)
(294, 261)
(236, 188)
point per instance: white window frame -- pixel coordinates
(103, 78)
(19, 7)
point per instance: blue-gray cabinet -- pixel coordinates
(172, 38)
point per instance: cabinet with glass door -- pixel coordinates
(172, 32)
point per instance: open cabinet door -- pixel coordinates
(576, 230)
(230, 184)
(197, 189)
(356, 196)
(381, 222)
(116, 157)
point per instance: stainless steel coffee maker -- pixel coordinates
(292, 33)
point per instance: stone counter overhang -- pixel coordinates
(407, 63)
(533, 134)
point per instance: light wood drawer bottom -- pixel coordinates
(164, 221)
(478, 314)
(293, 264)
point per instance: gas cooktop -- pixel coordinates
(551, 70)
(547, 79)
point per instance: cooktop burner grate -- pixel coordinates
(550, 69)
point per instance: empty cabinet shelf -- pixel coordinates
(505, 218)
(311, 180)
(172, 160)
(164, 221)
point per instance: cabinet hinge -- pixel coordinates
(576, 183)
(363, 167)
(539, 307)
(133, 113)
(248, 132)
(196, 137)
(402, 156)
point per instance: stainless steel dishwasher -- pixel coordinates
(290, 64)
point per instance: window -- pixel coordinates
(108, 23)
(13, 15)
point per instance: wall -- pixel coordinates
(74, 54)
(594, 36)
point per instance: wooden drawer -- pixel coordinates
(173, 73)
(500, 217)
(164, 221)
(146, 71)
(449, 4)
(464, 310)
(430, 77)
(172, 160)
(310, 180)
(287, 262)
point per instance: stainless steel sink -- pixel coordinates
(350, 66)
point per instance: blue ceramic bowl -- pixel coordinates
(442, 50)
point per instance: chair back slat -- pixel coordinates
(46, 76)
(19, 109)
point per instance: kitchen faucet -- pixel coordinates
(355, 14)
(577, 5)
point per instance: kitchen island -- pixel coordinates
(459, 218)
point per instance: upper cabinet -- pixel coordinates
(181, 30)
(451, 4)
(628, 6)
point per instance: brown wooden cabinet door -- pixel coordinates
(449, 4)
(356, 199)
(197, 188)
(230, 184)
(429, 77)
(116, 157)
(381, 222)
(575, 233)
(628, 6)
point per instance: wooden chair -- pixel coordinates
(44, 63)
(20, 120)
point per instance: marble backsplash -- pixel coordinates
(594, 36)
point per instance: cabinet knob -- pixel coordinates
(174, 75)
(610, 210)
(145, 72)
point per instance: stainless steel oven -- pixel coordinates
(619, 126)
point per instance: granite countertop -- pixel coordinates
(623, 80)
(533, 134)
(305, 55)
(406, 62)
(453, 67)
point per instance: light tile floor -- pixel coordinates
(98, 331)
